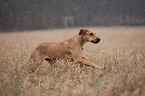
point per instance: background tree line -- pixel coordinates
(43, 14)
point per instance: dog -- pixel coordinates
(67, 49)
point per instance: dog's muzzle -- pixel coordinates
(96, 41)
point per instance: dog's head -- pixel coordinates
(89, 36)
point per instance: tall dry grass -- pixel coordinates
(121, 51)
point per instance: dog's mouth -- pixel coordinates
(96, 41)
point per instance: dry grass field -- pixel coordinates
(121, 51)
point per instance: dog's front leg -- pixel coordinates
(88, 63)
(76, 55)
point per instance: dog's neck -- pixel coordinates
(79, 40)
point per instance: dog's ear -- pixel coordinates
(82, 31)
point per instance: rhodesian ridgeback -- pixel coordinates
(67, 49)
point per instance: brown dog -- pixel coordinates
(68, 49)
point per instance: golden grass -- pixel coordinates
(121, 51)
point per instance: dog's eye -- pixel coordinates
(91, 34)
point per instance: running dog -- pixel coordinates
(67, 49)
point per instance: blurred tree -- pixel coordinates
(42, 14)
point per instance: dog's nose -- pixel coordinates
(98, 39)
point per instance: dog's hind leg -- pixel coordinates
(24, 66)
(34, 62)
